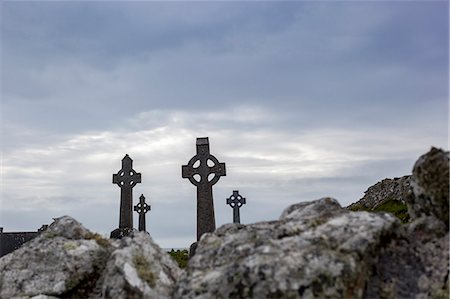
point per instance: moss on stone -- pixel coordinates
(50, 234)
(356, 208)
(69, 246)
(98, 238)
(84, 287)
(143, 269)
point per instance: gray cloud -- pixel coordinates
(301, 100)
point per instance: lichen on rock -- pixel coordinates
(316, 249)
(139, 268)
(416, 264)
(430, 184)
(54, 263)
(69, 261)
(143, 269)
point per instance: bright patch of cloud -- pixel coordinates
(74, 174)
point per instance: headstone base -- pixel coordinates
(119, 233)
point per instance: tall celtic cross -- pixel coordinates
(236, 201)
(203, 171)
(142, 208)
(126, 179)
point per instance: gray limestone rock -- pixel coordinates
(69, 261)
(416, 264)
(413, 265)
(323, 208)
(65, 257)
(139, 268)
(430, 184)
(316, 250)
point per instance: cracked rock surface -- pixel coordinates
(316, 250)
(139, 269)
(416, 264)
(430, 184)
(64, 256)
(69, 261)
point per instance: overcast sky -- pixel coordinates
(301, 100)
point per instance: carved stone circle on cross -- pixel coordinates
(203, 171)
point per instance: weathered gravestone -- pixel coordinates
(126, 179)
(236, 201)
(203, 171)
(142, 208)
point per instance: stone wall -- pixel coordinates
(12, 241)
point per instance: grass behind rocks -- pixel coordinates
(395, 207)
(180, 256)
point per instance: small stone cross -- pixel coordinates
(236, 201)
(126, 179)
(142, 208)
(203, 171)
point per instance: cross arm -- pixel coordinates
(137, 178)
(219, 169)
(186, 171)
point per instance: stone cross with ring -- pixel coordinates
(126, 178)
(236, 201)
(142, 208)
(203, 171)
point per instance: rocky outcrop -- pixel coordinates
(397, 189)
(416, 264)
(139, 269)
(64, 256)
(430, 183)
(69, 261)
(315, 250)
